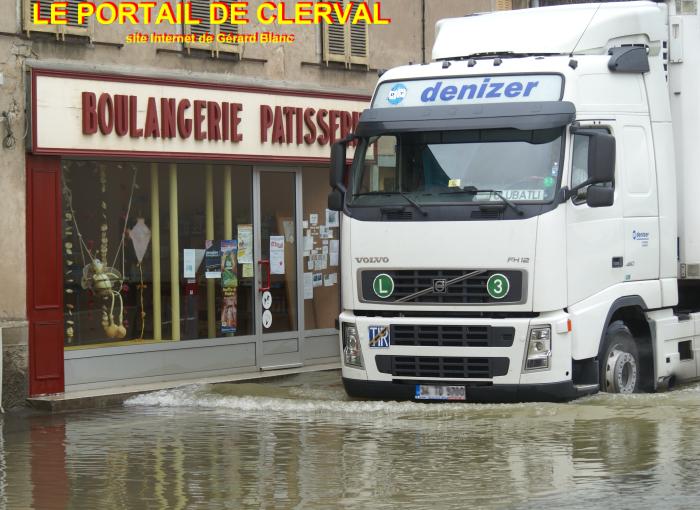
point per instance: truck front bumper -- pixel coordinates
(391, 369)
(546, 392)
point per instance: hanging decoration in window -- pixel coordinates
(140, 237)
(69, 300)
(104, 281)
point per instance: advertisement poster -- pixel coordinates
(245, 244)
(229, 287)
(188, 263)
(276, 254)
(308, 286)
(212, 259)
(332, 218)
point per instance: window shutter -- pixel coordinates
(228, 28)
(44, 9)
(72, 27)
(200, 10)
(358, 51)
(345, 43)
(72, 17)
(334, 41)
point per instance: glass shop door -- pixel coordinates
(278, 193)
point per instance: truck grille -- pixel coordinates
(451, 336)
(442, 367)
(408, 282)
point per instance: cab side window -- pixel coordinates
(579, 167)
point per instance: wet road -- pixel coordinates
(300, 443)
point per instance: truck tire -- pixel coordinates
(619, 365)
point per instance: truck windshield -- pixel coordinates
(454, 167)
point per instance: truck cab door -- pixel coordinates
(595, 245)
(640, 201)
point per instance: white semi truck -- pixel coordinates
(522, 215)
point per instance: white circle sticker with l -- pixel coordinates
(267, 319)
(267, 300)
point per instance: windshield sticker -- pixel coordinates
(513, 194)
(469, 90)
(397, 93)
(548, 182)
(454, 183)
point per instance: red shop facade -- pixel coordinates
(178, 230)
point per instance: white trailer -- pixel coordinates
(521, 219)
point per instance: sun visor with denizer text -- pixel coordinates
(524, 116)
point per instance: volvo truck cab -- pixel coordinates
(511, 215)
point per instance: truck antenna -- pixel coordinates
(584, 30)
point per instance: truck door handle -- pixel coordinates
(617, 261)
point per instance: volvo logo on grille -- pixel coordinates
(440, 286)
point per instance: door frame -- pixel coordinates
(261, 336)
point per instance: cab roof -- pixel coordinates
(577, 28)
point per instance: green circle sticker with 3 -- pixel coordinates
(497, 286)
(383, 285)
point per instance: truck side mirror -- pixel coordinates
(599, 196)
(335, 200)
(338, 154)
(337, 172)
(601, 156)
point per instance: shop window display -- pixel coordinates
(118, 257)
(321, 253)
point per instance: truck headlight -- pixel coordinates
(539, 348)
(352, 353)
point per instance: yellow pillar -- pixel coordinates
(211, 284)
(228, 204)
(174, 255)
(228, 208)
(155, 251)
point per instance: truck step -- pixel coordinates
(586, 389)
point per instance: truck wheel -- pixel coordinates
(619, 366)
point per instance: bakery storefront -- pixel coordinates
(179, 230)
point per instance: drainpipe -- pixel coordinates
(422, 31)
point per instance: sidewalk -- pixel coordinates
(110, 397)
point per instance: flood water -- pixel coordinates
(299, 442)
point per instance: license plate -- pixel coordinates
(432, 392)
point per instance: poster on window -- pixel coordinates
(229, 287)
(332, 219)
(245, 244)
(212, 259)
(276, 254)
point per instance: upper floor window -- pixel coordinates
(41, 10)
(504, 5)
(217, 38)
(346, 43)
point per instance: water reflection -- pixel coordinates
(299, 443)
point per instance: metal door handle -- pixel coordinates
(262, 263)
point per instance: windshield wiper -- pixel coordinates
(472, 190)
(409, 199)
